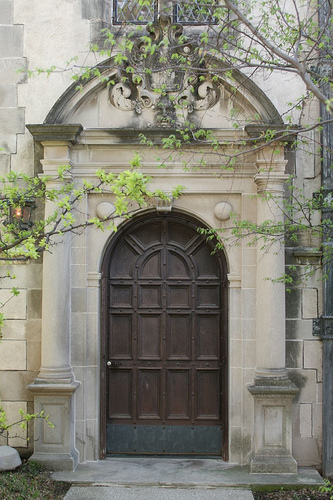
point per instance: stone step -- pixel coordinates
(113, 492)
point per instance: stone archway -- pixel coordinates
(91, 145)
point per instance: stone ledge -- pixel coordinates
(272, 391)
(280, 386)
(55, 133)
(282, 132)
(307, 255)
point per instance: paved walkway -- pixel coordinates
(154, 493)
(173, 479)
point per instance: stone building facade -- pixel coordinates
(56, 346)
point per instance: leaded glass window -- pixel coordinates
(187, 12)
(200, 12)
(130, 11)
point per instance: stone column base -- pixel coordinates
(55, 447)
(265, 464)
(272, 441)
(56, 461)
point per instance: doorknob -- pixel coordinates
(114, 363)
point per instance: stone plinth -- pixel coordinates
(55, 446)
(272, 444)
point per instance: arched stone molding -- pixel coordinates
(244, 92)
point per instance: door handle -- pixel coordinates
(114, 363)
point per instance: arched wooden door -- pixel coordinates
(164, 359)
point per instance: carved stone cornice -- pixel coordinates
(169, 80)
(278, 131)
(55, 133)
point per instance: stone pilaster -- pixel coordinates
(55, 385)
(272, 390)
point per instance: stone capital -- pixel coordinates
(272, 182)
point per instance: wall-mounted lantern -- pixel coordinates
(20, 214)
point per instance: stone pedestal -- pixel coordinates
(54, 447)
(272, 444)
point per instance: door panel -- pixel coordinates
(207, 392)
(165, 341)
(207, 337)
(120, 395)
(179, 346)
(178, 387)
(149, 394)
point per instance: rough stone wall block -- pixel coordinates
(17, 435)
(310, 303)
(6, 12)
(8, 96)
(313, 357)
(14, 307)
(11, 41)
(306, 420)
(13, 355)
(92, 9)
(12, 120)
(4, 163)
(10, 70)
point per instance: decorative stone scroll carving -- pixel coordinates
(164, 80)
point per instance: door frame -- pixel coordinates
(220, 256)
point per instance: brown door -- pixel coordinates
(164, 361)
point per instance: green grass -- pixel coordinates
(293, 494)
(30, 481)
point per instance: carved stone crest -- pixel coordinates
(164, 72)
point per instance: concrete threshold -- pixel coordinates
(177, 473)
